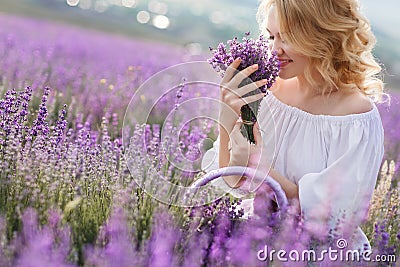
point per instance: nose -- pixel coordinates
(276, 46)
(279, 51)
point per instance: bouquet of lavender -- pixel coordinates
(251, 51)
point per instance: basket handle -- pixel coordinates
(280, 195)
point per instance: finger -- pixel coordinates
(257, 134)
(236, 135)
(252, 98)
(230, 71)
(240, 76)
(251, 87)
(237, 126)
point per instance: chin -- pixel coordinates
(284, 76)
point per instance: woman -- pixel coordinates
(320, 134)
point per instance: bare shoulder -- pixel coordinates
(354, 103)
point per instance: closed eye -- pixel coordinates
(271, 38)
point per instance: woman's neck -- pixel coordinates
(306, 90)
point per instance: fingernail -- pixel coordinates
(264, 81)
(255, 66)
(238, 59)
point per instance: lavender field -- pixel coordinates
(67, 196)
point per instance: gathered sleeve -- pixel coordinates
(343, 189)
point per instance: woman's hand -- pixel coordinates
(231, 101)
(231, 95)
(242, 152)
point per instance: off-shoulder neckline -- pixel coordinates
(308, 115)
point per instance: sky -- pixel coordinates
(383, 14)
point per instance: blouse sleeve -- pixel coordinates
(344, 188)
(210, 162)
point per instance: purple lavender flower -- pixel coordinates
(47, 165)
(48, 246)
(118, 249)
(163, 240)
(251, 51)
(40, 125)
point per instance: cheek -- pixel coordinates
(292, 53)
(302, 62)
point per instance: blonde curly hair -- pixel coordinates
(336, 37)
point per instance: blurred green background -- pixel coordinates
(198, 24)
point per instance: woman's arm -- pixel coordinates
(223, 147)
(290, 188)
(225, 160)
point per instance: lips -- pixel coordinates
(284, 61)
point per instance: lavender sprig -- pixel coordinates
(250, 51)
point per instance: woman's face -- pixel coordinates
(293, 64)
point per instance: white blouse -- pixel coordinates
(334, 160)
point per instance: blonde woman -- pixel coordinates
(320, 132)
